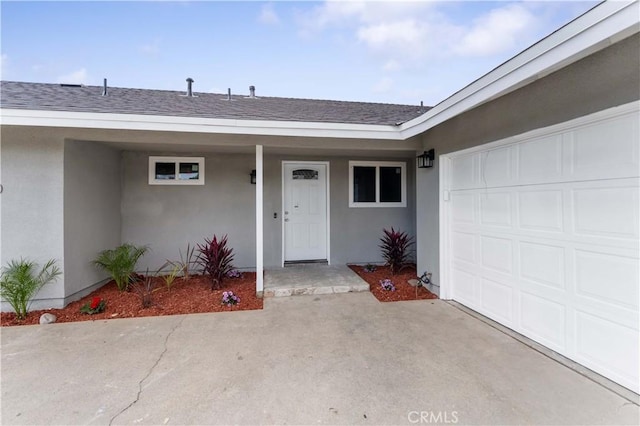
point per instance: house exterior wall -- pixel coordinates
(91, 213)
(32, 205)
(168, 217)
(605, 79)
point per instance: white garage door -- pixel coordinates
(540, 233)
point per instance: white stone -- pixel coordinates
(47, 319)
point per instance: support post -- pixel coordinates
(259, 222)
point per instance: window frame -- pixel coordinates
(153, 160)
(377, 165)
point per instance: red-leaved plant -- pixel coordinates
(396, 249)
(216, 259)
(96, 306)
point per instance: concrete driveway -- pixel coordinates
(332, 359)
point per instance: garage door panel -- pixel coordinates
(618, 358)
(541, 210)
(496, 167)
(464, 247)
(548, 241)
(608, 277)
(463, 208)
(496, 254)
(540, 160)
(543, 319)
(497, 300)
(464, 287)
(495, 209)
(464, 173)
(608, 212)
(606, 149)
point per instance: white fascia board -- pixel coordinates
(91, 120)
(603, 25)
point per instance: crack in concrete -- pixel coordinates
(166, 340)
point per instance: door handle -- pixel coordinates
(286, 220)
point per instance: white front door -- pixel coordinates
(305, 211)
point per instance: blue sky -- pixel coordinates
(373, 51)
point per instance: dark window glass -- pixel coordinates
(390, 184)
(165, 171)
(189, 171)
(364, 184)
(305, 174)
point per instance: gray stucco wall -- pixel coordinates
(91, 212)
(32, 205)
(168, 217)
(603, 80)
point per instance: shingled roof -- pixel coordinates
(75, 98)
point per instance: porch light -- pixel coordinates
(425, 160)
(252, 175)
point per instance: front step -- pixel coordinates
(318, 289)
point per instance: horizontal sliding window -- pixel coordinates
(377, 184)
(176, 170)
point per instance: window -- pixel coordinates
(176, 170)
(377, 184)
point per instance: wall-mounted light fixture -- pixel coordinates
(252, 175)
(425, 160)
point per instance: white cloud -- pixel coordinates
(497, 31)
(409, 34)
(268, 15)
(76, 77)
(392, 65)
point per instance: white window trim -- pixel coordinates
(377, 165)
(155, 159)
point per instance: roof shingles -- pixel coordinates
(56, 97)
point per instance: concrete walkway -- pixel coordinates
(312, 278)
(331, 359)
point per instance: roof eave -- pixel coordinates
(600, 27)
(40, 118)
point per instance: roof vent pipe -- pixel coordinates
(104, 87)
(252, 91)
(229, 94)
(189, 87)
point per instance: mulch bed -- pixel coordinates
(404, 291)
(184, 297)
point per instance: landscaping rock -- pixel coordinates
(47, 319)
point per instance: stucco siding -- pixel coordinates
(91, 212)
(32, 203)
(603, 80)
(168, 217)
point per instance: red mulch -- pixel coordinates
(184, 297)
(404, 291)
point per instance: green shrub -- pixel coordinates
(120, 263)
(216, 259)
(186, 262)
(19, 282)
(395, 249)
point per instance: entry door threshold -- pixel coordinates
(305, 262)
